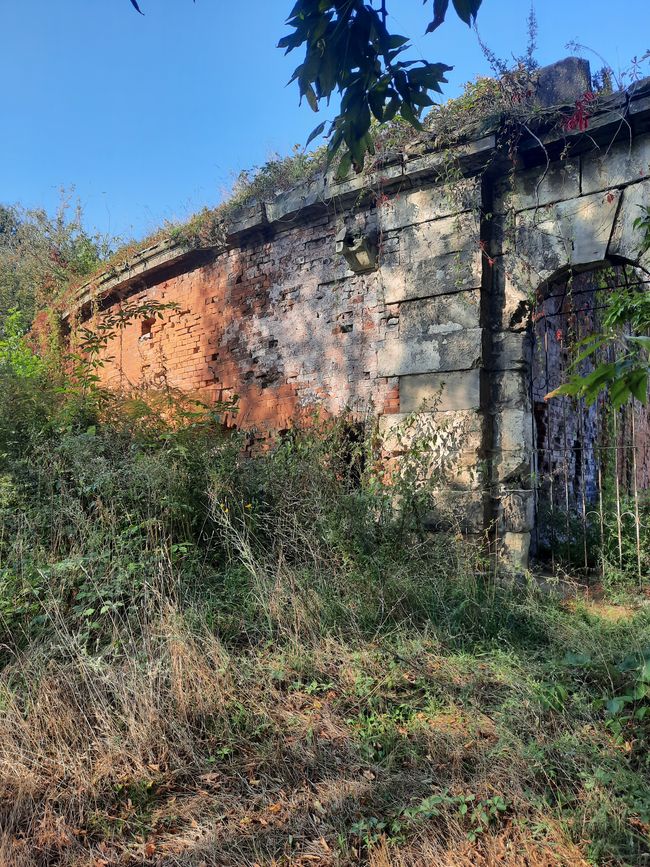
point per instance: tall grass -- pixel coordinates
(214, 658)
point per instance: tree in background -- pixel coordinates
(40, 255)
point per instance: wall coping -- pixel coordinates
(624, 114)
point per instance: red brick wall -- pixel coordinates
(280, 321)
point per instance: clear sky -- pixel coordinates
(150, 118)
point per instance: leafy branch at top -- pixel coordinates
(350, 49)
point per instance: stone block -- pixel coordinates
(536, 187)
(460, 350)
(513, 429)
(509, 388)
(510, 351)
(518, 511)
(626, 240)
(287, 206)
(453, 432)
(443, 449)
(439, 237)
(246, 219)
(428, 277)
(444, 314)
(571, 233)
(639, 111)
(516, 550)
(616, 166)
(562, 83)
(440, 392)
(509, 302)
(512, 446)
(431, 203)
(457, 511)
(438, 162)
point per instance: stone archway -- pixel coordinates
(591, 464)
(576, 216)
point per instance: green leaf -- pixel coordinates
(315, 133)
(616, 705)
(467, 10)
(344, 166)
(409, 115)
(639, 386)
(397, 41)
(576, 659)
(311, 97)
(439, 12)
(391, 109)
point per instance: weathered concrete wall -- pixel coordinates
(437, 319)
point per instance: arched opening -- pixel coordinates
(591, 463)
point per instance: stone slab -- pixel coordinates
(457, 511)
(510, 351)
(509, 388)
(428, 277)
(571, 233)
(518, 511)
(440, 391)
(460, 430)
(621, 164)
(512, 447)
(444, 314)
(246, 219)
(536, 187)
(439, 162)
(431, 203)
(626, 240)
(516, 550)
(562, 83)
(287, 206)
(403, 356)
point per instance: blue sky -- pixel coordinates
(150, 118)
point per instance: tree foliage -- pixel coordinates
(40, 254)
(349, 48)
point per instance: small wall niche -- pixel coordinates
(146, 328)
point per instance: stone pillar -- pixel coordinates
(506, 391)
(430, 271)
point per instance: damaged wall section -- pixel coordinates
(396, 294)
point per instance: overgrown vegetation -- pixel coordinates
(41, 255)
(216, 659)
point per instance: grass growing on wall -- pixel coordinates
(207, 659)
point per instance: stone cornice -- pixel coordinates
(624, 114)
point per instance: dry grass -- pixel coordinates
(172, 750)
(241, 663)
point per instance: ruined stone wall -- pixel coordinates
(273, 321)
(409, 292)
(572, 214)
